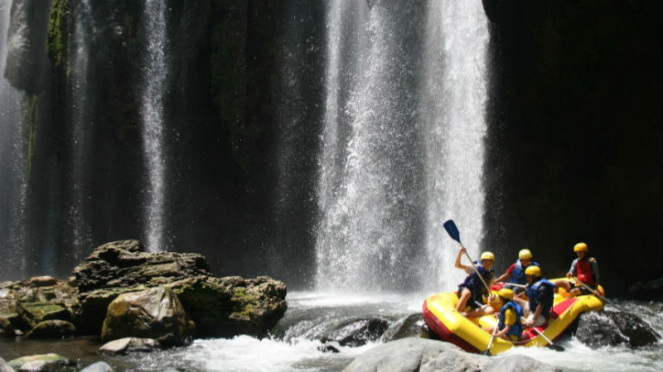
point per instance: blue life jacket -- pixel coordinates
(473, 282)
(518, 273)
(517, 327)
(547, 302)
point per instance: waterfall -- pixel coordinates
(155, 73)
(82, 121)
(402, 144)
(13, 164)
(455, 125)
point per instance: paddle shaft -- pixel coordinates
(594, 292)
(542, 335)
(492, 337)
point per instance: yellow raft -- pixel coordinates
(442, 318)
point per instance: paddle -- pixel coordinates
(593, 291)
(490, 343)
(453, 232)
(550, 343)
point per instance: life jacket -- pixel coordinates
(473, 282)
(533, 294)
(517, 327)
(585, 272)
(518, 272)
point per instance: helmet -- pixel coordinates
(580, 247)
(533, 270)
(506, 293)
(525, 254)
(487, 256)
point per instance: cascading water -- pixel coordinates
(402, 149)
(79, 114)
(155, 73)
(13, 161)
(457, 39)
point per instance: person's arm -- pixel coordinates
(595, 269)
(572, 270)
(460, 265)
(509, 320)
(507, 275)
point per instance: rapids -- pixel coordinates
(294, 346)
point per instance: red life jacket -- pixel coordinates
(585, 272)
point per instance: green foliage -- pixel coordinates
(58, 31)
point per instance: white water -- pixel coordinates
(401, 151)
(82, 129)
(155, 73)
(311, 313)
(13, 160)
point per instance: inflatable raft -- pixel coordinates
(442, 318)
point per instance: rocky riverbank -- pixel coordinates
(120, 291)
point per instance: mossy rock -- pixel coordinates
(43, 360)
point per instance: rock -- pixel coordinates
(410, 326)
(42, 281)
(415, 354)
(327, 348)
(358, 332)
(4, 367)
(597, 329)
(155, 313)
(6, 328)
(129, 344)
(41, 362)
(516, 363)
(225, 307)
(98, 367)
(125, 264)
(647, 291)
(52, 329)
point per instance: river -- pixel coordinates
(294, 346)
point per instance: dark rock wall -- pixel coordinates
(574, 141)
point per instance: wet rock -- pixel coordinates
(4, 367)
(597, 329)
(357, 332)
(422, 355)
(224, 307)
(155, 313)
(124, 263)
(41, 362)
(327, 348)
(129, 344)
(98, 367)
(6, 328)
(52, 329)
(411, 326)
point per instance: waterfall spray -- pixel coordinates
(13, 165)
(402, 150)
(155, 73)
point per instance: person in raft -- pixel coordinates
(586, 269)
(472, 290)
(541, 295)
(509, 326)
(516, 272)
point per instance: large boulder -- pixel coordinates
(598, 329)
(52, 329)
(155, 313)
(421, 355)
(357, 332)
(124, 263)
(229, 306)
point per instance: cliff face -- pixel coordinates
(575, 133)
(573, 146)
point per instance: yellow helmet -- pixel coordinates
(525, 254)
(487, 256)
(533, 270)
(506, 293)
(580, 247)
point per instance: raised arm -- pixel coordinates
(459, 265)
